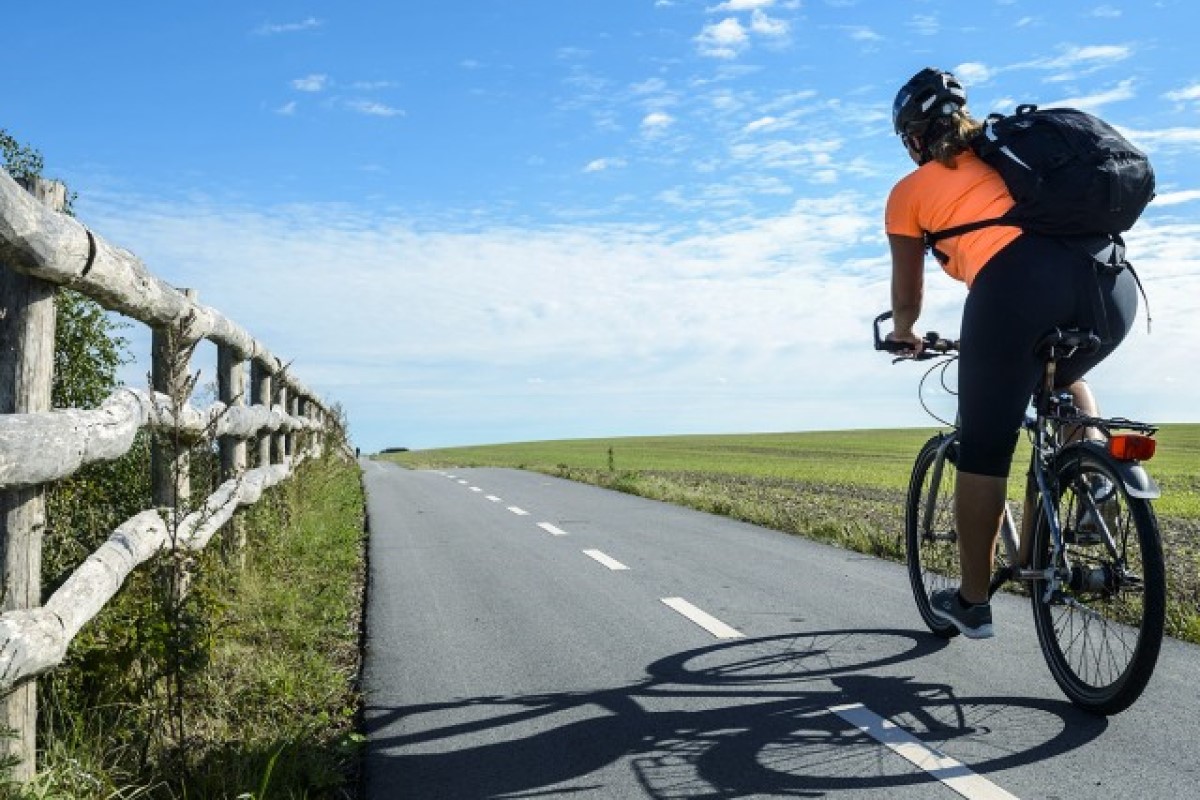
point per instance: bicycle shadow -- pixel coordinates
(732, 720)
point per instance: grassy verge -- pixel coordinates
(845, 488)
(271, 711)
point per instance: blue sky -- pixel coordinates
(480, 221)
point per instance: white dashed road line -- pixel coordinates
(954, 774)
(703, 619)
(607, 561)
(945, 769)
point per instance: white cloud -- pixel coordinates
(761, 24)
(1094, 102)
(1164, 138)
(1175, 198)
(431, 337)
(804, 158)
(602, 164)
(729, 37)
(744, 5)
(395, 323)
(973, 73)
(311, 83)
(925, 24)
(724, 39)
(1076, 61)
(656, 123)
(649, 87)
(272, 29)
(861, 33)
(374, 109)
(287, 109)
(1186, 94)
(1106, 12)
(1109, 54)
(763, 123)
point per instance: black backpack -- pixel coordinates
(1070, 174)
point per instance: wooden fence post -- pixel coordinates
(231, 390)
(279, 440)
(304, 410)
(291, 440)
(170, 375)
(260, 395)
(27, 320)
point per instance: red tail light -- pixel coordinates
(1131, 447)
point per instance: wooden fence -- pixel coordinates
(40, 250)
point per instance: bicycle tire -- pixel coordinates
(932, 555)
(1101, 639)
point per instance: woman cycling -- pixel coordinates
(1020, 286)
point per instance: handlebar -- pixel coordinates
(932, 345)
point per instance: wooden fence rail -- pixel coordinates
(40, 250)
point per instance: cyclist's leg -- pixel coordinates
(1024, 291)
(978, 511)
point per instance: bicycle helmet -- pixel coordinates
(929, 96)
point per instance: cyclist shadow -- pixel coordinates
(752, 717)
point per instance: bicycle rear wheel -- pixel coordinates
(931, 540)
(1102, 628)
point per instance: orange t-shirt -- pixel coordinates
(935, 197)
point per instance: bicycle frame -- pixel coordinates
(1052, 423)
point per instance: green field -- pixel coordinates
(844, 487)
(874, 459)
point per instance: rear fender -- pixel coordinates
(1137, 481)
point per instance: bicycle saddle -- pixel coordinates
(1066, 342)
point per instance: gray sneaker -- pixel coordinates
(974, 622)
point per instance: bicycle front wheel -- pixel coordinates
(1102, 627)
(931, 539)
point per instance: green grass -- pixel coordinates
(846, 487)
(273, 711)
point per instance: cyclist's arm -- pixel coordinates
(908, 284)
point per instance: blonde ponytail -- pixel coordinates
(960, 128)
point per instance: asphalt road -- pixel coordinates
(532, 637)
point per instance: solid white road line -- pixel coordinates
(520, 512)
(704, 620)
(607, 561)
(551, 529)
(947, 770)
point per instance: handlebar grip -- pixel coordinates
(892, 346)
(933, 345)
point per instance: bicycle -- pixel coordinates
(1095, 573)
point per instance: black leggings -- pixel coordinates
(1026, 290)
